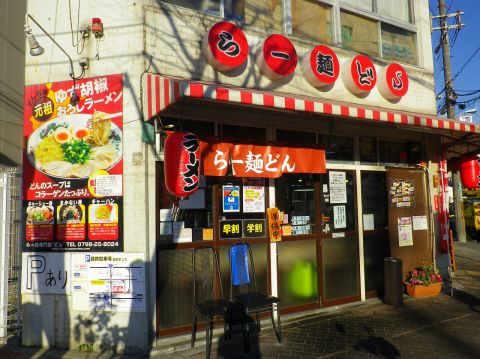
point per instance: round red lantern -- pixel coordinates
(182, 163)
(469, 171)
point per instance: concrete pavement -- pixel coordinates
(435, 327)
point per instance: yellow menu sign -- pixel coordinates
(273, 217)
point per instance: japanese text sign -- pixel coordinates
(359, 75)
(393, 82)
(73, 165)
(321, 66)
(231, 229)
(225, 46)
(274, 231)
(254, 228)
(259, 161)
(277, 57)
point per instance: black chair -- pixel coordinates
(244, 291)
(208, 299)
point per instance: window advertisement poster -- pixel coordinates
(253, 199)
(402, 193)
(73, 165)
(231, 198)
(108, 281)
(405, 235)
(339, 217)
(338, 187)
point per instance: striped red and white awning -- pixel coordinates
(162, 92)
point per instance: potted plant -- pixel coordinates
(423, 281)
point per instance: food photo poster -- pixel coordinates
(73, 165)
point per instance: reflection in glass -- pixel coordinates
(295, 197)
(175, 288)
(340, 267)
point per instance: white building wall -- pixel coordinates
(12, 46)
(49, 319)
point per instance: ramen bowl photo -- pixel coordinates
(74, 146)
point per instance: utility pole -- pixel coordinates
(450, 99)
(450, 96)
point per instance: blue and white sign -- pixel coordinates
(231, 198)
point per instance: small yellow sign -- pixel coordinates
(274, 232)
(207, 234)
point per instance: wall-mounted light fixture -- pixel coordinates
(36, 50)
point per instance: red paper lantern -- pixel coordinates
(182, 163)
(469, 171)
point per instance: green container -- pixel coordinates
(302, 280)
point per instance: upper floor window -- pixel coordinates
(398, 44)
(360, 4)
(312, 20)
(359, 33)
(266, 14)
(396, 9)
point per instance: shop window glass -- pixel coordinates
(260, 259)
(312, 20)
(337, 202)
(295, 199)
(295, 138)
(243, 133)
(340, 267)
(242, 208)
(398, 44)
(368, 149)
(297, 272)
(397, 9)
(198, 127)
(359, 34)
(361, 4)
(338, 148)
(374, 199)
(392, 152)
(375, 249)
(175, 288)
(266, 14)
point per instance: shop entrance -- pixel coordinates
(318, 256)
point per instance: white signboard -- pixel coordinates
(405, 236)
(108, 281)
(46, 273)
(339, 217)
(338, 187)
(110, 185)
(253, 199)
(466, 119)
(368, 222)
(420, 223)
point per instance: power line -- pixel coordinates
(466, 63)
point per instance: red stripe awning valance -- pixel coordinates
(162, 92)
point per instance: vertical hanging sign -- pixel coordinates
(73, 166)
(273, 218)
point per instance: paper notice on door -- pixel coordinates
(420, 223)
(368, 222)
(405, 235)
(339, 217)
(338, 187)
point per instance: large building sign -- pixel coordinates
(320, 66)
(73, 166)
(359, 75)
(225, 46)
(259, 161)
(393, 82)
(277, 57)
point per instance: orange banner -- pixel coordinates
(259, 161)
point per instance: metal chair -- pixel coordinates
(208, 299)
(243, 290)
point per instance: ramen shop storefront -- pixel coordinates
(328, 253)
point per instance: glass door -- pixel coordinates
(375, 230)
(338, 239)
(296, 199)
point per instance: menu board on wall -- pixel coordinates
(73, 165)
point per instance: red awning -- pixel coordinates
(162, 92)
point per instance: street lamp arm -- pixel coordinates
(72, 72)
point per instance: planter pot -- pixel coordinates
(423, 291)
